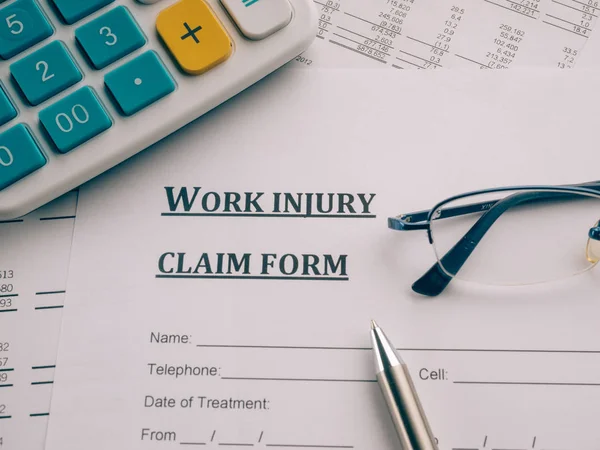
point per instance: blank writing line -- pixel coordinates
(192, 443)
(35, 383)
(308, 446)
(473, 350)
(5, 385)
(43, 367)
(57, 218)
(256, 277)
(50, 292)
(39, 414)
(11, 221)
(5, 417)
(234, 444)
(291, 215)
(280, 347)
(8, 310)
(526, 383)
(463, 448)
(7, 370)
(50, 307)
(9, 295)
(331, 380)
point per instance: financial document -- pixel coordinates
(483, 34)
(33, 273)
(222, 284)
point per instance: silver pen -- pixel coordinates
(400, 395)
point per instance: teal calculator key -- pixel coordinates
(74, 10)
(139, 83)
(45, 72)
(110, 37)
(22, 25)
(19, 155)
(7, 109)
(75, 119)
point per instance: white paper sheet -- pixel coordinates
(33, 275)
(409, 34)
(267, 361)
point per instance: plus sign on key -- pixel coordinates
(194, 36)
(191, 33)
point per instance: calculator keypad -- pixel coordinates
(110, 37)
(75, 10)
(7, 109)
(75, 119)
(45, 72)
(22, 25)
(190, 30)
(139, 83)
(19, 155)
(194, 36)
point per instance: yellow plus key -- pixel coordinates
(194, 36)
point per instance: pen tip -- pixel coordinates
(374, 325)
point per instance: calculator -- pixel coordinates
(86, 84)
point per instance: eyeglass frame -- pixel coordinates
(437, 278)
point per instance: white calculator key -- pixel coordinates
(258, 19)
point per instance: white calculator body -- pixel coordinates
(86, 84)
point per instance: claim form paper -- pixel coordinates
(238, 316)
(372, 34)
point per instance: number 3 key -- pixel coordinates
(110, 37)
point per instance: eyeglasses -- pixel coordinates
(510, 235)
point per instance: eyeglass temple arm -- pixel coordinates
(419, 220)
(436, 279)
